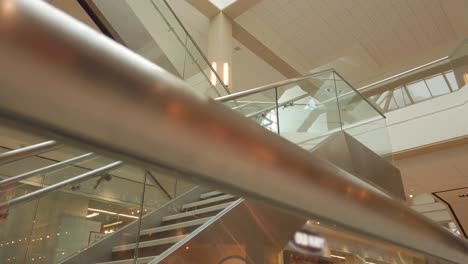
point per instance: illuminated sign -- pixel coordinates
(308, 240)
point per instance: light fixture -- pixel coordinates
(112, 224)
(213, 75)
(129, 216)
(410, 196)
(338, 257)
(112, 213)
(226, 73)
(92, 215)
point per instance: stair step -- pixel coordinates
(143, 260)
(151, 243)
(207, 201)
(175, 226)
(210, 194)
(196, 212)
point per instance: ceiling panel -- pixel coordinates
(376, 39)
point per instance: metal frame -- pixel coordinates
(270, 86)
(166, 125)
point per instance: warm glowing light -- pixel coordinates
(111, 213)
(92, 215)
(129, 216)
(338, 257)
(8, 7)
(410, 196)
(112, 224)
(226, 73)
(213, 75)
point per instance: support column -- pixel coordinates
(220, 48)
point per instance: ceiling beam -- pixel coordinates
(238, 7)
(244, 37)
(263, 52)
(205, 7)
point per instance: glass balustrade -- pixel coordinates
(108, 215)
(53, 226)
(310, 109)
(151, 29)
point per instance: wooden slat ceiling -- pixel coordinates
(366, 40)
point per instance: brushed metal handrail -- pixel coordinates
(28, 151)
(135, 111)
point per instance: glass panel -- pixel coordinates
(437, 85)
(257, 233)
(79, 215)
(308, 109)
(382, 99)
(98, 216)
(451, 79)
(418, 91)
(393, 105)
(374, 135)
(401, 98)
(435, 210)
(260, 107)
(361, 120)
(353, 107)
(150, 29)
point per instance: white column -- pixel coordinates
(220, 47)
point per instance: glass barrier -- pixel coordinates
(135, 215)
(252, 232)
(56, 225)
(309, 110)
(435, 209)
(151, 30)
(361, 119)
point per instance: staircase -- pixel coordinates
(175, 227)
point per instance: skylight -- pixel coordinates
(222, 4)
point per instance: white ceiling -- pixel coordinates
(365, 40)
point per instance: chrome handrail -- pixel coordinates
(405, 73)
(137, 112)
(45, 169)
(59, 185)
(275, 85)
(270, 86)
(28, 151)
